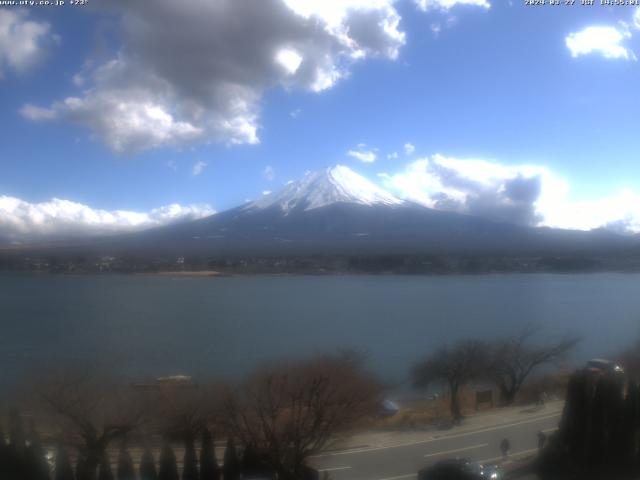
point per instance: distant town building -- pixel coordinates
(171, 381)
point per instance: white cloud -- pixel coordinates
(295, 113)
(78, 80)
(448, 22)
(23, 42)
(269, 173)
(449, 4)
(476, 187)
(619, 212)
(172, 165)
(363, 154)
(606, 41)
(21, 221)
(31, 112)
(289, 59)
(409, 148)
(636, 18)
(266, 192)
(198, 168)
(196, 70)
(392, 156)
(522, 194)
(126, 122)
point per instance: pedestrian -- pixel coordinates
(505, 446)
(542, 439)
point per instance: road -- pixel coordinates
(399, 456)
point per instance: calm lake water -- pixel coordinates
(224, 327)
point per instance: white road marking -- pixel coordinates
(473, 447)
(444, 437)
(332, 469)
(413, 475)
(517, 454)
(408, 475)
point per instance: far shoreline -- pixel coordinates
(189, 273)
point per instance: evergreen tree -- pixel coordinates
(575, 423)
(631, 424)
(3, 455)
(309, 473)
(598, 441)
(16, 430)
(616, 448)
(36, 464)
(231, 467)
(148, 466)
(190, 461)
(125, 465)
(83, 472)
(168, 467)
(15, 452)
(105, 472)
(209, 469)
(63, 469)
(251, 465)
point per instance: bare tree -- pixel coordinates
(92, 411)
(291, 412)
(181, 413)
(513, 359)
(454, 366)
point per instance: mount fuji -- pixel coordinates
(337, 184)
(336, 211)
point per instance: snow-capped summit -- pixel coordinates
(325, 187)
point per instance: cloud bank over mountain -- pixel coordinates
(22, 221)
(530, 195)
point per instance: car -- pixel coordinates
(389, 408)
(459, 469)
(603, 366)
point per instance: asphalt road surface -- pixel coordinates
(478, 439)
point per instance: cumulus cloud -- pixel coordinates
(392, 155)
(619, 212)
(22, 41)
(269, 173)
(449, 4)
(196, 70)
(605, 41)
(198, 168)
(636, 18)
(522, 194)
(475, 187)
(409, 148)
(23, 222)
(364, 154)
(172, 165)
(32, 112)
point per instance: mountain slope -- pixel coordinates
(336, 211)
(326, 187)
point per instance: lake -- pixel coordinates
(224, 327)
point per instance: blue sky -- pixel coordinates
(132, 115)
